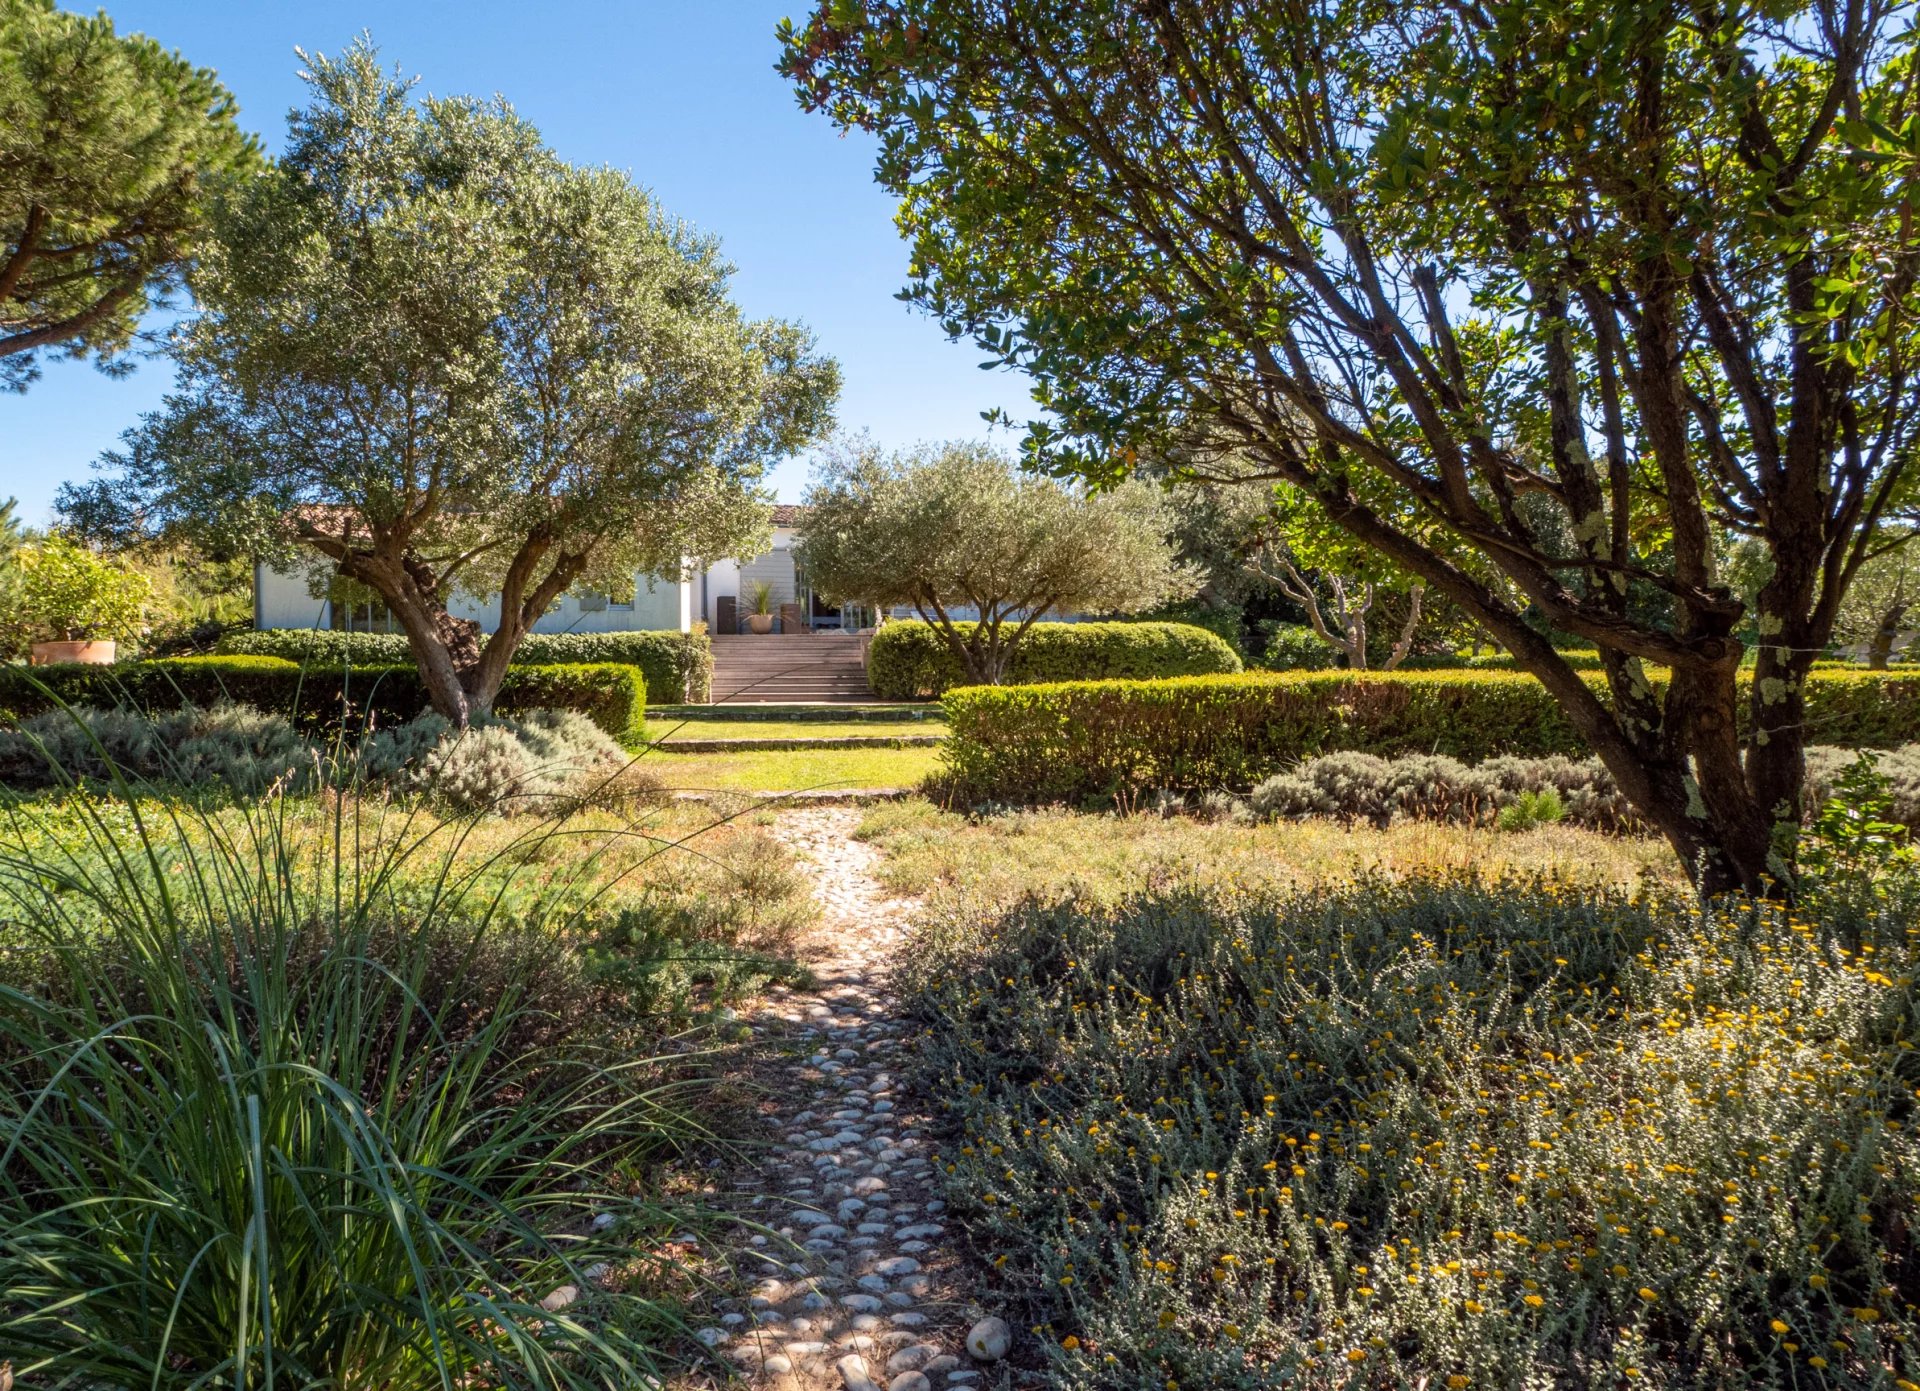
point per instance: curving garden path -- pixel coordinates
(841, 1275)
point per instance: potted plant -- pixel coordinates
(760, 620)
(80, 605)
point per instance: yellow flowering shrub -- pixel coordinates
(1437, 1132)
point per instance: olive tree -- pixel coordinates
(109, 149)
(1649, 266)
(434, 358)
(1874, 613)
(979, 550)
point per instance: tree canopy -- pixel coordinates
(956, 533)
(109, 150)
(1549, 304)
(435, 358)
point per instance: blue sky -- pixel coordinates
(681, 95)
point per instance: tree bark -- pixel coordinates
(1880, 647)
(462, 675)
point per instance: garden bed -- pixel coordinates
(1455, 1131)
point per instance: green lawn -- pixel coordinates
(792, 770)
(673, 728)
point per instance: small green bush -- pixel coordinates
(911, 661)
(1093, 740)
(66, 592)
(535, 762)
(1296, 647)
(1224, 623)
(677, 666)
(612, 695)
(1433, 1133)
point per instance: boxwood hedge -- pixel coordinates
(911, 661)
(677, 666)
(1091, 740)
(316, 696)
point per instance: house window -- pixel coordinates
(591, 602)
(355, 608)
(363, 616)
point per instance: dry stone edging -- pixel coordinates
(842, 1256)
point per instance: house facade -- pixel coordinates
(709, 594)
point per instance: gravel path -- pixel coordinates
(850, 1289)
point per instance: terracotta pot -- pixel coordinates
(760, 623)
(46, 654)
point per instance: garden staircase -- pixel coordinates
(790, 669)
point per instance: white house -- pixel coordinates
(285, 599)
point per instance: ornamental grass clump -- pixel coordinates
(280, 1108)
(1437, 1132)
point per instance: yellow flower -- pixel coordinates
(1356, 1354)
(1455, 1382)
(1816, 1361)
(1232, 1330)
(1648, 1294)
(1819, 1282)
(1533, 1301)
(1778, 1326)
(1069, 1342)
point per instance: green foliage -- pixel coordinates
(68, 593)
(1440, 1133)
(1857, 841)
(1223, 623)
(410, 281)
(315, 698)
(956, 527)
(274, 1117)
(911, 661)
(1092, 740)
(197, 598)
(677, 666)
(110, 148)
(1530, 809)
(539, 762)
(14, 631)
(1296, 647)
(1540, 305)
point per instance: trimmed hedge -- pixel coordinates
(678, 666)
(611, 694)
(1093, 740)
(911, 661)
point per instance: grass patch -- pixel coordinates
(792, 770)
(671, 729)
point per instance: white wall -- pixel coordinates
(284, 600)
(775, 567)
